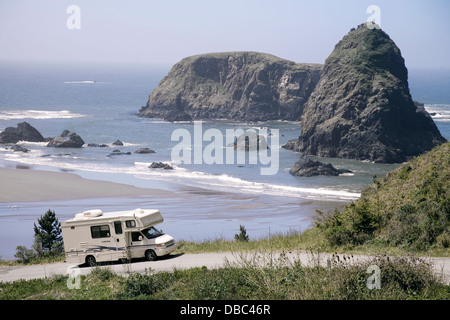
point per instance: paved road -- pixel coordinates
(184, 261)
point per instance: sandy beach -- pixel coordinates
(25, 185)
(190, 213)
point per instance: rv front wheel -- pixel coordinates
(150, 255)
(90, 261)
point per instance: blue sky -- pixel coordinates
(163, 32)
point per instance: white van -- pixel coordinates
(95, 236)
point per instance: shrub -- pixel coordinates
(242, 236)
(355, 224)
(103, 274)
(138, 284)
(23, 254)
(419, 226)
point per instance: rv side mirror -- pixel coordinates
(140, 238)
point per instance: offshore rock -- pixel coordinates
(23, 132)
(67, 139)
(17, 148)
(145, 150)
(117, 143)
(362, 107)
(119, 153)
(306, 167)
(97, 145)
(245, 86)
(249, 141)
(160, 165)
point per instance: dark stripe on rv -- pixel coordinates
(96, 249)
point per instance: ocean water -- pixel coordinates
(100, 104)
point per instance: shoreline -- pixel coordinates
(190, 213)
(29, 185)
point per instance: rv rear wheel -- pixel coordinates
(90, 261)
(150, 255)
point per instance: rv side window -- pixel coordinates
(135, 236)
(100, 231)
(130, 223)
(118, 227)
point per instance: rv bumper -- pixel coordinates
(164, 250)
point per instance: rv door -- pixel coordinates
(137, 245)
(118, 231)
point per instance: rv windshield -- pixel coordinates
(151, 232)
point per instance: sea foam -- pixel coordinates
(228, 183)
(38, 114)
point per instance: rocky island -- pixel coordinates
(244, 86)
(362, 107)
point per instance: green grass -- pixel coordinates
(312, 239)
(100, 284)
(258, 276)
(35, 260)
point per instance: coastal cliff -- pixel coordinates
(362, 107)
(245, 86)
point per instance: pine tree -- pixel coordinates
(48, 233)
(242, 236)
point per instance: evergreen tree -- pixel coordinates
(242, 236)
(48, 232)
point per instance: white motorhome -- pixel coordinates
(95, 236)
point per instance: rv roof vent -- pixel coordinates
(92, 213)
(137, 211)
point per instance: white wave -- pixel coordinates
(227, 183)
(31, 144)
(82, 81)
(439, 112)
(347, 174)
(38, 114)
(129, 144)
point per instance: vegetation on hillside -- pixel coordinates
(408, 208)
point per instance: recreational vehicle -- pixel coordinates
(95, 236)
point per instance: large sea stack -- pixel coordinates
(246, 86)
(362, 107)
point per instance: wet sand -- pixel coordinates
(24, 185)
